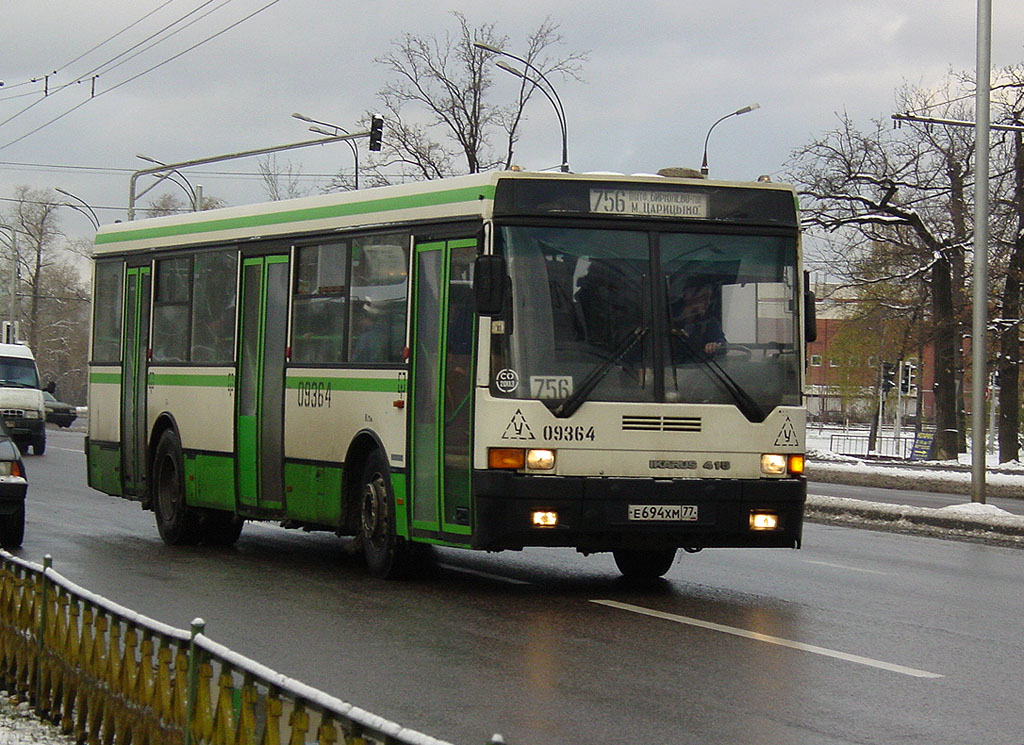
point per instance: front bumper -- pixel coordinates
(593, 512)
(25, 427)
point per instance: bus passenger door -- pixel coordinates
(133, 380)
(443, 347)
(259, 431)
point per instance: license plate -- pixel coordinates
(663, 512)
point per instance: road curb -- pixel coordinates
(942, 523)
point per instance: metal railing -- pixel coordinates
(888, 447)
(107, 674)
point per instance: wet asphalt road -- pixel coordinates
(860, 637)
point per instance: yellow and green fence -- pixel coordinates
(106, 674)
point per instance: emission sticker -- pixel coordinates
(506, 380)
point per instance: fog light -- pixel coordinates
(764, 521)
(540, 460)
(773, 464)
(544, 519)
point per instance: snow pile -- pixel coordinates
(978, 521)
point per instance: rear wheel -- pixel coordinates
(388, 556)
(644, 564)
(12, 528)
(178, 523)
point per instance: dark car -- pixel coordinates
(58, 412)
(13, 487)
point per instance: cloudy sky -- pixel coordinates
(658, 75)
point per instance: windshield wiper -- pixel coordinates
(569, 406)
(746, 404)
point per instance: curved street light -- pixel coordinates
(190, 191)
(86, 209)
(316, 129)
(744, 110)
(547, 89)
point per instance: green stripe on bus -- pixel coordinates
(376, 385)
(105, 377)
(191, 380)
(452, 196)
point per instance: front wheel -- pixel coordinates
(39, 444)
(640, 564)
(387, 554)
(220, 527)
(12, 528)
(179, 524)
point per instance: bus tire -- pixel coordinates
(12, 528)
(220, 527)
(641, 564)
(177, 523)
(387, 554)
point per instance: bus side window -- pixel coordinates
(213, 307)
(171, 310)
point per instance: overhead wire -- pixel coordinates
(106, 66)
(141, 74)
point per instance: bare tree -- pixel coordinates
(281, 181)
(906, 189)
(451, 81)
(172, 204)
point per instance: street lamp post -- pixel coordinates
(12, 299)
(744, 110)
(132, 196)
(547, 89)
(316, 130)
(192, 193)
(86, 209)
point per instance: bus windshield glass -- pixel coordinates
(630, 315)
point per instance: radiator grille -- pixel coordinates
(12, 413)
(661, 423)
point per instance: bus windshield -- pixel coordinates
(627, 315)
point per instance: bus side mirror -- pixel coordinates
(810, 317)
(489, 280)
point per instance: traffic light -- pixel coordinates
(376, 133)
(909, 381)
(888, 376)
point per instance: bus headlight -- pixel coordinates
(781, 464)
(540, 460)
(514, 459)
(773, 464)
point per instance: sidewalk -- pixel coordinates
(966, 521)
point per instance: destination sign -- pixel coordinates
(648, 202)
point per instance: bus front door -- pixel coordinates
(133, 380)
(260, 382)
(442, 387)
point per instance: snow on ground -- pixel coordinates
(20, 726)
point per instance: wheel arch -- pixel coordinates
(363, 444)
(163, 423)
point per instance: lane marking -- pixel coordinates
(485, 575)
(913, 672)
(844, 566)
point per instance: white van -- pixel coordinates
(21, 399)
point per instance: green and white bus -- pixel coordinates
(491, 361)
